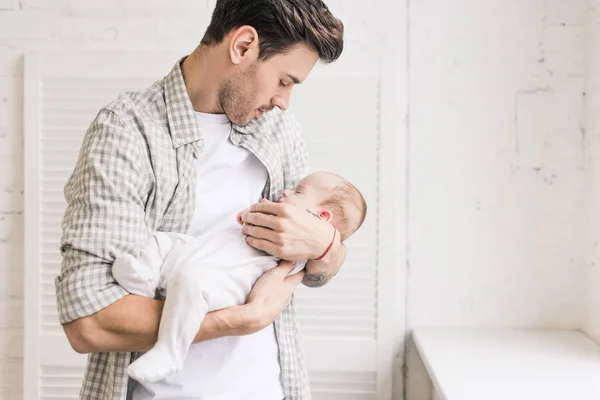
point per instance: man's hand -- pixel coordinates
(271, 293)
(286, 231)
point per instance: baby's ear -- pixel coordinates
(326, 214)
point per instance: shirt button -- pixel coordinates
(197, 148)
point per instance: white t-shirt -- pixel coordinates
(229, 179)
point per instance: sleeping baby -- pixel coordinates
(217, 270)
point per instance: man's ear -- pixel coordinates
(326, 214)
(244, 44)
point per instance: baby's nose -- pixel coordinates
(284, 195)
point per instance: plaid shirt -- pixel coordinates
(136, 175)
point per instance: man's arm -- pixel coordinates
(318, 273)
(131, 324)
(105, 216)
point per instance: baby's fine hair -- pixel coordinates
(345, 198)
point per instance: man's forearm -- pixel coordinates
(131, 325)
(232, 321)
(318, 273)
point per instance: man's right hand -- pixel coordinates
(270, 295)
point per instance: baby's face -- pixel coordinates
(311, 191)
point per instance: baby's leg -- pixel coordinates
(185, 307)
(202, 276)
(140, 275)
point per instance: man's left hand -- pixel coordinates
(286, 231)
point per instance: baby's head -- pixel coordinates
(332, 198)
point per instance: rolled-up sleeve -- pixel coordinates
(106, 196)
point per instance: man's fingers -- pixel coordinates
(258, 232)
(296, 278)
(264, 220)
(267, 207)
(286, 266)
(283, 269)
(262, 244)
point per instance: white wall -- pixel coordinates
(592, 157)
(496, 117)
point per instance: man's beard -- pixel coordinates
(233, 100)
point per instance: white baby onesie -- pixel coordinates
(198, 275)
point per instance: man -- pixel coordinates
(186, 155)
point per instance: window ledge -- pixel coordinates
(510, 364)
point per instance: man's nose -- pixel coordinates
(283, 102)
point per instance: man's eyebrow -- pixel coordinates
(294, 79)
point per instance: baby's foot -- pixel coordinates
(153, 366)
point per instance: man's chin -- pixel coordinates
(244, 123)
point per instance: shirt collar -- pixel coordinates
(180, 112)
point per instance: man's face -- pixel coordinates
(265, 84)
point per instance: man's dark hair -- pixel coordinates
(280, 24)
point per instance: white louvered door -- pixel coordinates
(339, 321)
(346, 328)
(63, 94)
